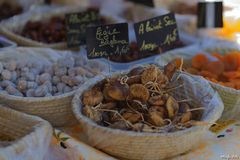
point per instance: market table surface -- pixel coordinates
(223, 142)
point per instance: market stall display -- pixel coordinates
(222, 74)
(175, 98)
(23, 136)
(43, 81)
(103, 106)
(43, 28)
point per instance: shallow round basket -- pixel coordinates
(153, 146)
(56, 109)
(30, 136)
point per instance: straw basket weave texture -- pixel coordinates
(153, 146)
(229, 96)
(56, 109)
(31, 135)
(12, 27)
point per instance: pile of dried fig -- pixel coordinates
(26, 79)
(141, 100)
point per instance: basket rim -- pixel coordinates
(77, 105)
(40, 124)
(216, 85)
(36, 99)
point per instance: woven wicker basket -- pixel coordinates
(57, 109)
(11, 27)
(153, 146)
(229, 96)
(31, 136)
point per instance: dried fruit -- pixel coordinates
(170, 69)
(150, 74)
(172, 107)
(92, 114)
(131, 116)
(199, 61)
(92, 97)
(138, 91)
(133, 105)
(156, 118)
(156, 100)
(117, 91)
(186, 117)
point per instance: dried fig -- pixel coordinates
(172, 107)
(92, 114)
(156, 100)
(110, 105)
(150, 74)
(170, 69)
(156, 117)
(117, 91)
(92, 97)
(186, 117)
(138, 91)
(161, 110)
(134, 79)
(131, 116)
(135, 71)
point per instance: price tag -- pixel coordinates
(107, 40)
(210, 15)
(157, 33)
(76, 24)
(149, 3)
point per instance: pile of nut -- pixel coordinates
(27, 79)
(142, 100)
(49, 32)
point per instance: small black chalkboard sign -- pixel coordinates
(76, 24)
(210, 15)
(159, 33)
(107, 40)
(149, 3)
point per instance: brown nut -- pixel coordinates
(156, 100)
(116, 91)
(172, 107)
(138, 91)
(92, 97)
